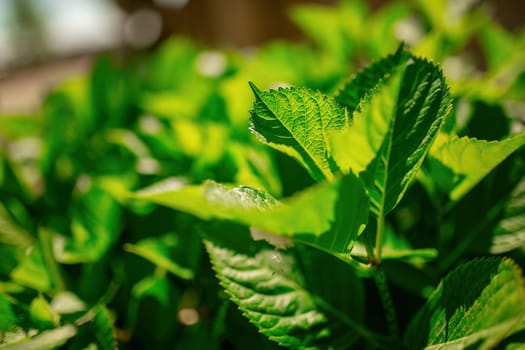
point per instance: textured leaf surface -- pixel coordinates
(392, 133)
(329, 215)
(270, 292)
(458, 164)
(510, 232)
(477, 304)
(297, 121)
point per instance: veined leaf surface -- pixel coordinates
(393, 131)
(270, 290)
(297, 121)
(477, 304)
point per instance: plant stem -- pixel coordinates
(388, 305)
(46, 243)
(379, 238)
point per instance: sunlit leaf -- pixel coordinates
(393, 131)
(458, 164)
(332, 214)
(297, 121)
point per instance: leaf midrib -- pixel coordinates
(319, 166)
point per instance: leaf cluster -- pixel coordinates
(353, 194)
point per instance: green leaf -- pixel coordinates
(361, 88)
(47, 340)
(42, 314)
(297, 121)
(158, 251)
(393, 131)
(458, 164)
(332, 214)
(102, 326)
(9, 318)
(32, 271)
(95, 226)
(477, 304)
(269, 290)
(510, 231)
(325, 26)
(11, 233)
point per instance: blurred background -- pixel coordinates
(44, 41)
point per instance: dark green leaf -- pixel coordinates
(477, 304)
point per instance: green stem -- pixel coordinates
(379, 238)
(46, 244)
(388, 304)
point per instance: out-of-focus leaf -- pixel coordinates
(9, 318)
(331, 28)
(103, 330)
(42, 314)
(95, 227)
(47, 340)
(157, 251)
(11, 233)
(32, 271)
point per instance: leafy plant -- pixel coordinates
(333, 205)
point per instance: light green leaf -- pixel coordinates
(326, 26)
(393, 131)
(269, 290)
(510, 231)
(329, 215)
(32, 271)
(47, 340)
(477, 305)
(42, 314)
(458, 164)
(297, 121)
(157, 251)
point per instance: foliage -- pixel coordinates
(291, 198)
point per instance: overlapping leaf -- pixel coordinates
(269, 289)
(358, 90)
(477, 304)
(393, 130)
(329, 215)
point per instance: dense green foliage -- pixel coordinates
(341, 193)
